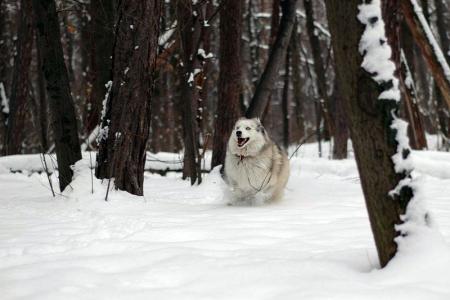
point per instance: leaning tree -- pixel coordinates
(371, 100)
(63, 119)
(276, 60)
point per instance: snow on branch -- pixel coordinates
(431, 39)
(319, 27)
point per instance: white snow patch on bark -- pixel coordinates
(375, 49)
(4, 102)
(103, 133)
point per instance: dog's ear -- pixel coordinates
(259, 127)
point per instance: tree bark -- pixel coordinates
(20, 88)
(189, 34)
(416, 129)
(62, 109)
(430, 49)
(339, 117)
(297, 82)
(122, 154)
(371, 117)
(228, 110)
(43, 105)
(392, 18)
(266, 84)
(443, 23)
(101, 38)
(285, 99)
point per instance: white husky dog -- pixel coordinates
(256, 169)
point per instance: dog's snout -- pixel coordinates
(238, 133)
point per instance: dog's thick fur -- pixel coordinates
(256, 169)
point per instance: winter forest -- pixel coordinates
(224, 149)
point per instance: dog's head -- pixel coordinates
(248, 137)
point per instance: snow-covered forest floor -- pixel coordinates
(183, 242)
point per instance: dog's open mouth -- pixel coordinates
(242, 141)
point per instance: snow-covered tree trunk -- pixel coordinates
(126, 119)
(20, 89)
(230, 78)
(63, 119)
(371, 95)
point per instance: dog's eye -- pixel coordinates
(247, 128)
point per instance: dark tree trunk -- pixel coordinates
(4, 74)
(122, 154)
(101, 38)
(189, 39)
(277, 56)
(61, 105)
(296, 81)
(428, 48)
(20, 88)
(319, 68)
(68, 43)
(443, 23)
(372, 117)
(43, 105)
(230, 78)
(285, 99)
(341, 133)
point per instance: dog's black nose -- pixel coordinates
(238, 133)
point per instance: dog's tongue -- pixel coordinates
(241, 141)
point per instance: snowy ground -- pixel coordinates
(182, 242)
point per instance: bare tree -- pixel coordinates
(126, 124)
(20, 88)
(62, 110)
(189, 34)
(230, 78)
